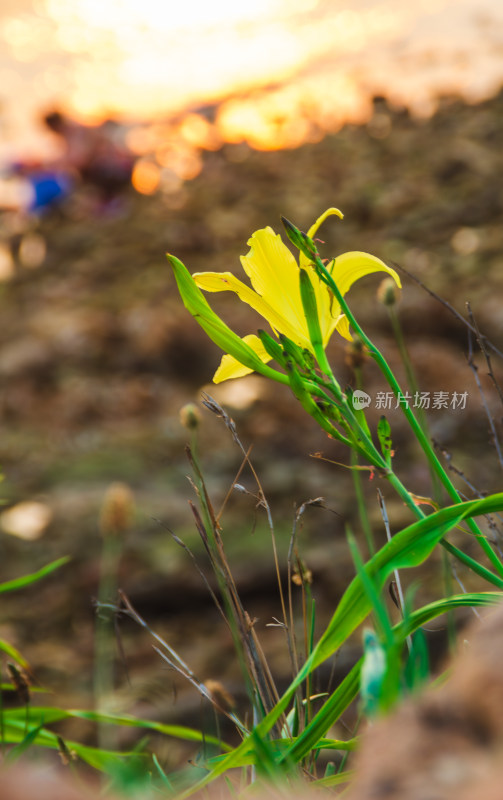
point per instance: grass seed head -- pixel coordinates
(388, 292)
(190, 416)
(117, 510)
(220, 695)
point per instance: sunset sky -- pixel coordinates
(292, 60)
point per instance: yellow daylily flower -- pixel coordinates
(275, 292)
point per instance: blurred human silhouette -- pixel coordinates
(94, 153)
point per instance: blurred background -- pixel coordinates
(130, 129)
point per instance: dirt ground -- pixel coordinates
(98, 355)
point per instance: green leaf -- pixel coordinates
(27, 580)
(416, 619)
(369, 585)
(15, 721)
(162, 775)
(408, 548)
(14, 654)
(10, 687)
(219, 333)
(335, 780)
(279, 747)
(347, 690)
(264, 758)
(50, 715)
(177, 731)
(18, 750)
(417, 668)
(341, 698)
(14, 732)
(328, 714)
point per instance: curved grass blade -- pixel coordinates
(348, 688)
(416, 619)
(280, 746)
(48, 715)
(103, 760)
(408, 548)
(14, 654)
(335, 780)
(27, 580)
(27, 741)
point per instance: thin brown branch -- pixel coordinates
(481, 341)
(450, 308)
(475, 371)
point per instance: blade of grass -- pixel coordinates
(348, 688)
(408, 548)
(27, 580)
(48, 716)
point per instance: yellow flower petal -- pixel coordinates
(328, 309)
(274, 274)
(227, 282)
(303, 259)
(342, 326)
(328, 213)
(350, 267)
(230, 368)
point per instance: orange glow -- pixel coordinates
(281, 72)
(189, 167)
(184, 162)
(198, 132)
(139, 141)
(288, 117)
(146, 177)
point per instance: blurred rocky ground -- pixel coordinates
(98, 355)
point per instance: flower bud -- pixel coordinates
(20, 682)
(388, 292)
(117, 510)
(190, 416)
(302, 574)
(220, 695)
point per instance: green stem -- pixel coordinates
(432, 456)
(362, 508)
(369, 450)
(416, 427)
(104, 635)
(242, 634)
(413, 385)
(378, 461)
(357, 482)
(423, 421)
